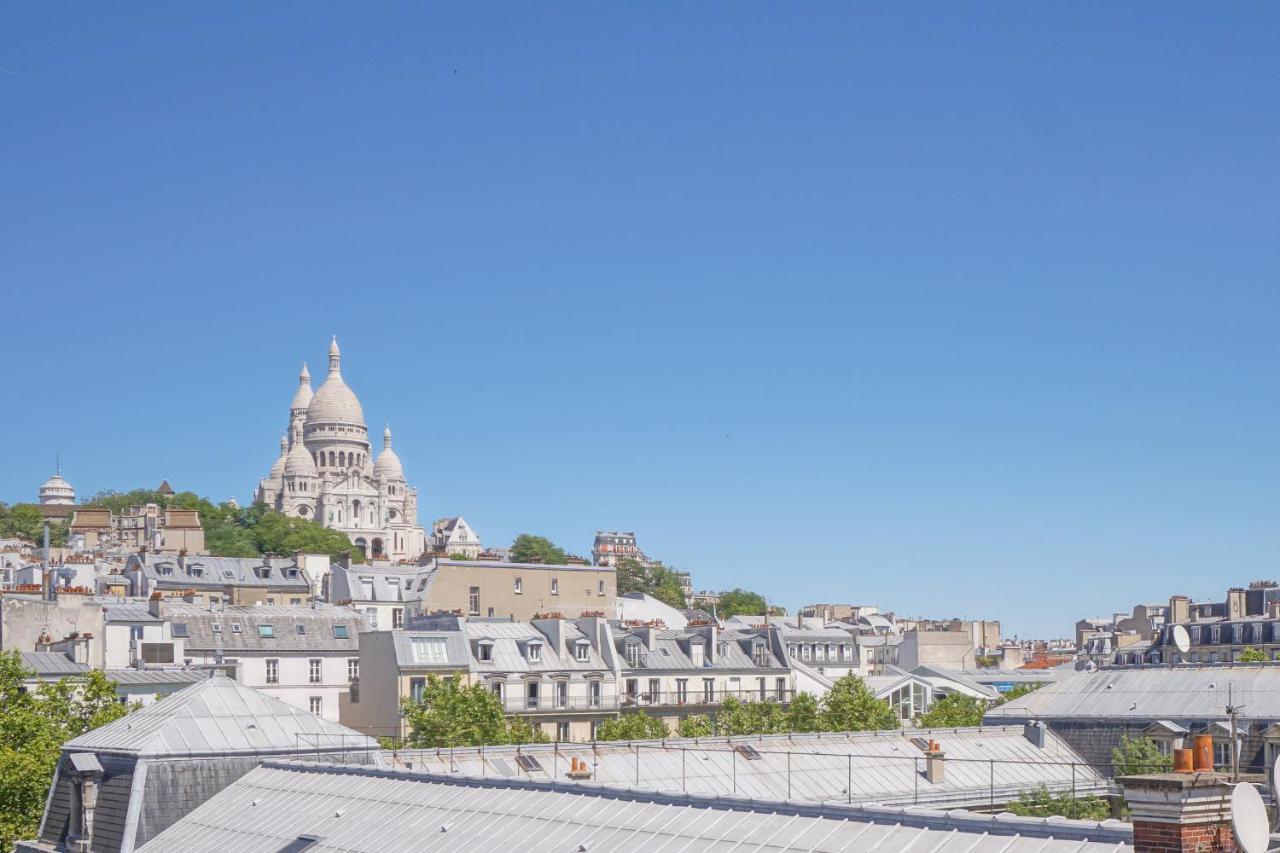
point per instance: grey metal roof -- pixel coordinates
(389, 583)
(510, 649)
(127, 610)
(365, 809)
(218, 716)
(170, 676)
(317, 623)
(1183, 692)
(455, 645)
(859, 767)
(54, 664)
(671, 651)
(170, 570)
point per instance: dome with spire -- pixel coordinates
(302, 397)
(298, 462)
(334, 402)
(388, 466)
(57, 491)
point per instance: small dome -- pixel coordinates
(334, 402)
(302, 397)
(277, 469)
(57, 491)
(388, 466)
(298, 463)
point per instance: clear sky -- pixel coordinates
(962, 309)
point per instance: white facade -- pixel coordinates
(326, 471)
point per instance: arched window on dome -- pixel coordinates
(332, 459)
(342, 459)
(319, 459)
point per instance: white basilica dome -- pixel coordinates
(334, 402)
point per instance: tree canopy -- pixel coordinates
(740, 602)
(25, 521)
(1139, 755)
(1252, 655)
(655, 579)
(33, 727)
(451, 715)
(1040, 803)
(850, 706)
(528, 548)
(633, 726)
(231, 531)
(953, 711)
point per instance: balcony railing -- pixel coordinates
(550, 703)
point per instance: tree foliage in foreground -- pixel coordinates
(740, 602)
(632, 726)
(1252, 655)
(34, 725)
(1040, 803)
(450, 715)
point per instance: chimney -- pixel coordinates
(1235, 603)
(1034, 731)
(155, 605)
(1180, 812)
(1179, 610)
(85, 771)
(934, 763)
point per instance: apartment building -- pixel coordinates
(517, 591)
(381, 592)
(394, 666)
(610, 546)
(306, 656)
(227, 580)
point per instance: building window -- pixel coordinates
(397, 617)
(473, 601)
(595, 728)
(599, 587)
(519, 586)
(682, 690)
(582, 652)
(697, 652)
(562, 694)
(484, 651)
(531, 694)
(562, 731)
(633, 654)
(760, 682)
(353, 669)
(655, 690)
(315, 670)
(535, 652)
(555, 586)
(317, 705)
(496, 687)
(781, 688)
(340, 632)
(417, 686)
(273, 671)
(593, 688)
(708, 690)
(235, 627)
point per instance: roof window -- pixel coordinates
(266, 631)
(216, 627)
(340, 632)
(747, 751)
(302, 629)
(235, 627)
(179, 629)
(528, 763)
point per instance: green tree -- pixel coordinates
(953, 712)
(1252, 655)
(750, 718)
(33, 727)
(698, 725)
(740, 602)
(633, 726)
(528, 548)
(1040, 803)
(802, 714)
(1018, 691)
(25, 521)
(452, 715)
(459, 556)
(655, 579)
(1135, 756)
(850, 706)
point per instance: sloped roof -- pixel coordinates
(218, 716)
(289, 806)
(1186, 691)
(54, 664)
(295, 628)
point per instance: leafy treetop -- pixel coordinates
(656, 580)
(528, 548)
(450, 715)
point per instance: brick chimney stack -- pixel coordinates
(1184, 812)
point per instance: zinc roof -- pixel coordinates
(54, 664)
(217, 716)
(510, 648)
(182, 677)
(858, 767)
(317, 621)
(367, 809)
(1185, 691)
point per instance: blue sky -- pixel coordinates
(964, 310)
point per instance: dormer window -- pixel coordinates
(633, 654)
(164, 569)
(698, 654)
(484, 650)
(760, 654)
(582, 651)
(535, 652)
(264, 572)
(195, 570)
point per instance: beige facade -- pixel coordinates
(519, 591)
(28, 622)
(950, 649)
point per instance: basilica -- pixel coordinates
(327, 471)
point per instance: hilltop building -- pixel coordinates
(326, 471)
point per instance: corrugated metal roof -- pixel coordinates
(366, 809)
(218, 716)
(1186, 691)
(859, 767)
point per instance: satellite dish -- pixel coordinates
(1181, 639)
(1249, 819)
(1275, 778)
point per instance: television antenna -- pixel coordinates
(1249, 819)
